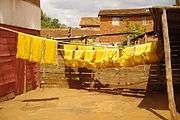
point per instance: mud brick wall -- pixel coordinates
(139, 77)
(107, 27)
(54, 76)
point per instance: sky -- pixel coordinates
(69, 12)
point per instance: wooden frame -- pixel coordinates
(169, 80)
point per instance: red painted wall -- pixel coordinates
(11, 69)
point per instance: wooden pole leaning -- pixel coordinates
(169, 80)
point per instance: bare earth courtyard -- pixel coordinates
(84, 105)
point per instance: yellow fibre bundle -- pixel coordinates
(68, 54)
(127, 58)
(151, 53)
(36, 49)
(115, 56)
(99, 56)
(23, 46)
(112, 56)
(79, 55)
(89, 57)
(50, 53)
(139, 54)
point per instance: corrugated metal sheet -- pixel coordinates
(11, 69)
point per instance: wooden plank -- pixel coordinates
(75, 73)
(178, 2)
(170, 89)
(25, 78)
(93, 36)
(40, 99)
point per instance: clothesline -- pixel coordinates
(74, 44)
(95, 36)
(63, 42)
(42, 50)
(60, 49)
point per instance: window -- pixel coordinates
(115, 21)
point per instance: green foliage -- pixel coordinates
(136, 29)
(47, 22)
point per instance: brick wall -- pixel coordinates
(107, 27)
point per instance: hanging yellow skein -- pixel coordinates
(79, 56)
(23, 46)
(111, 57)
(89, 57)
(139, 54)
(68, 54)
(36, 49)
(151, 53)
(99, 56)
(127, 58)
(50, 53)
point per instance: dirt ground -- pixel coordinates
(84, 105)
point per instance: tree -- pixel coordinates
(136, 29)
(47, 22)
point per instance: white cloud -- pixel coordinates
(70, 11)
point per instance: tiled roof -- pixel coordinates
(90, 21)
(124, 12)
(64, 32)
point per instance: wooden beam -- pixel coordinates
(95, 36)
(167, 49)
(41, 99)
(25, 77)
(177, 2)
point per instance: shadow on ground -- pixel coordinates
(151, 101)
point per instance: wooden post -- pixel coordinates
(25, 77)
(177, 2)
(167, 49)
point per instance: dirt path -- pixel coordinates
(84, 105)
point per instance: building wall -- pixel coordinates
(12, 70)
(20, 13)
(121, 25)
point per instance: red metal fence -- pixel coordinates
(12, 70)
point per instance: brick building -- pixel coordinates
(122, 20)
(90, 23)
